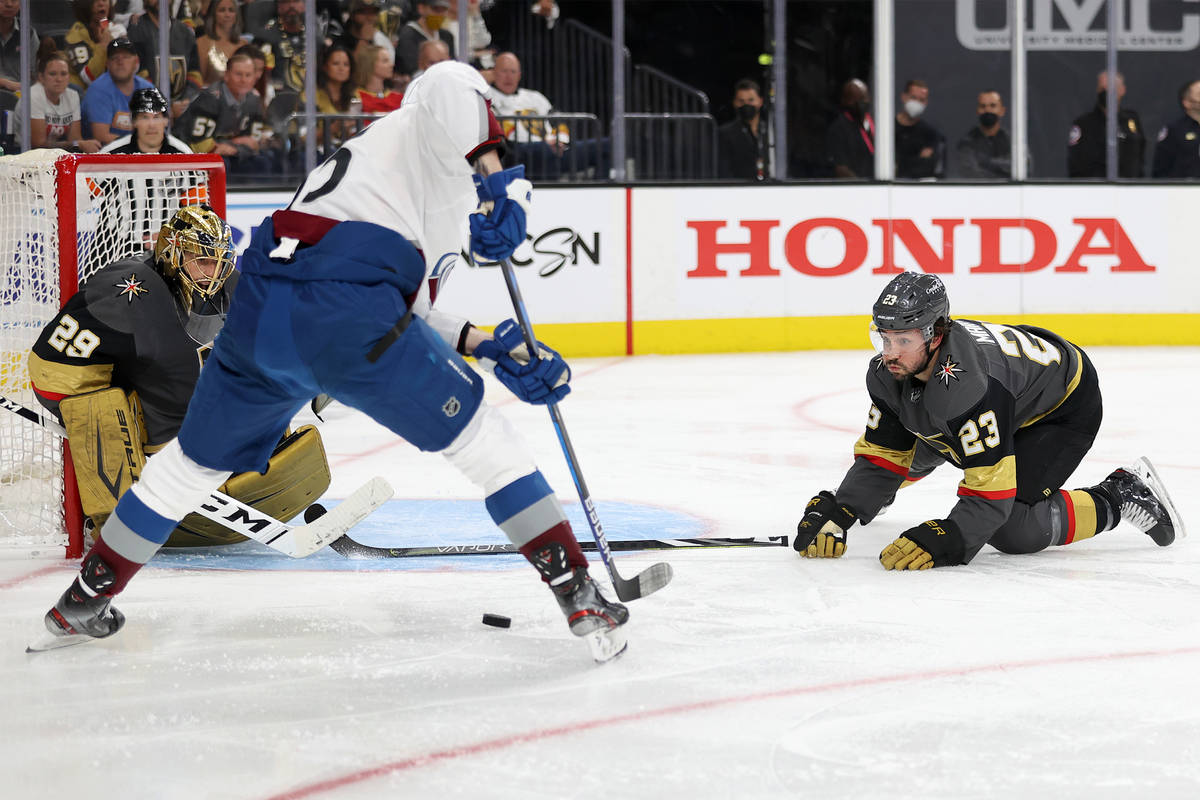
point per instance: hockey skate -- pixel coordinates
(590, 616)
(1144, 502)
(84, 612)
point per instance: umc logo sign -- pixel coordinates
(1080, 25)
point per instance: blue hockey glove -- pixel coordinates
(498, 225)
(506, 356)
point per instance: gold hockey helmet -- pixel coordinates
(195, 252)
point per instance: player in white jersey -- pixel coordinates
(334, 299)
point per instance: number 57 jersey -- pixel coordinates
(989, 381)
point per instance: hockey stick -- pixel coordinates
(296, 541)
(362, 552)
(648, 580)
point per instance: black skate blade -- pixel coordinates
(53, 641)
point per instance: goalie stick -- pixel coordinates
(648, 580)
(296, 541)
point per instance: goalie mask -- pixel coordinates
(195, 253)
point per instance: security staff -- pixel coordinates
(1177, 154)
(1087, 143)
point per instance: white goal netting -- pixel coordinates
(62, 217)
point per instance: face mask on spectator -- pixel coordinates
(914, 108)
(434, 21)
(747, 112)
(987, 119)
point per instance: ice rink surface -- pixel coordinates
(755, 674)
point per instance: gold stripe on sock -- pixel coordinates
(1082, 514)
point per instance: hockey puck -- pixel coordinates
(497, 620)
(313, 513)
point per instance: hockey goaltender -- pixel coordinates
(120, 361)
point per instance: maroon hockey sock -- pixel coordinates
(554, 552)
(105, 572)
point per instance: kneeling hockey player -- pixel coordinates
(1016, 408)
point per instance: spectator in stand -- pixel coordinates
(184, 68)
(1177, 154)
(222, 38)
(54, 113)
(392, 16)
(227, 119)
(479, 38)
(536, 142)
(547, 10)
(282, 41)
(985, 153)
(850, 138)
(742, 143)
(427, 27)
(149, 110)
(106, 103)
(87, 41)
(1087, 149)
(920, 148)
(373, 75)
(262, 82)
(10, 52)
(362, 29)
(336, 95)
(430, 53)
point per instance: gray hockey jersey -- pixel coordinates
(989, 381)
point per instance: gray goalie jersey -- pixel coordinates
(124, 328)
(988, 382)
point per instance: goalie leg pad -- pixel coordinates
(296, 476)
(106, 447)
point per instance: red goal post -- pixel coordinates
(62, 218)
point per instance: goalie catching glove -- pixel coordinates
(936, 543)
(822, 531)
(506, 356)
(498, 226)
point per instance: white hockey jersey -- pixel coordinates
(410, 172)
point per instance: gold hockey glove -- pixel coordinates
(822, 531)
(936, 543)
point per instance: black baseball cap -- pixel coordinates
(122, 43)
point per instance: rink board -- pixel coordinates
(616, 270)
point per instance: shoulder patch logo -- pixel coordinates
(947, 370)
(131, 288)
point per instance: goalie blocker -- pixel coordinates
(107, 442)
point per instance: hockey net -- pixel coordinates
(62, 218)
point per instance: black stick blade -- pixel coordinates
(646, 582)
